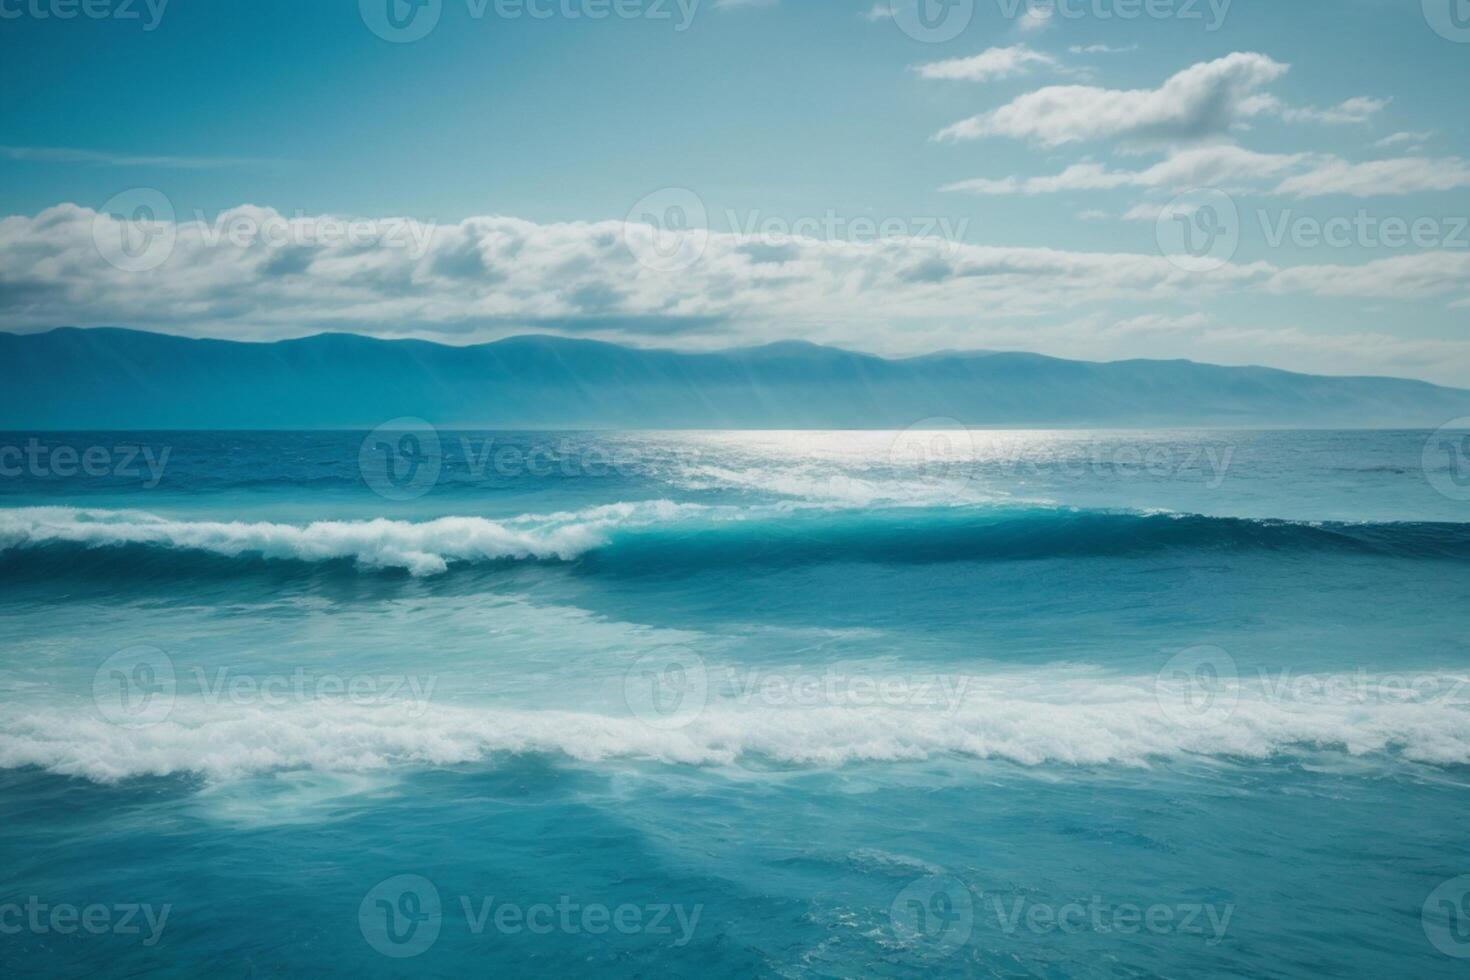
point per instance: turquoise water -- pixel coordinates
(1056, 704)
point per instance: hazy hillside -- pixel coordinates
(109, 378)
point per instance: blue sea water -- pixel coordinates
(789, 704)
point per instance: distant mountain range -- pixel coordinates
(108, 378)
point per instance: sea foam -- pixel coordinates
(1079, 721)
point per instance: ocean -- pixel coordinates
(730, 704)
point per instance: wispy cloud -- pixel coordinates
(98, 158)
(1405, 175)
(1404, 139)
(1232, 167)
(1354, 111)
(988, 65)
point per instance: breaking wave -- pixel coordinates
(661, 535)
(1078, 721)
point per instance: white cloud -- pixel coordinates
(877, 12)
(1354, 111)
(498, 275)
(994, 63)
(1100, 49)
(1405, 175)
(494, 276)
(1154, 323)
(1400, 277)
(1403, 139)
(1150, 211)
(1037, 18)
(1204, 101)
(1203, 166)
(1230, 167)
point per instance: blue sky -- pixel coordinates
(1022, 184)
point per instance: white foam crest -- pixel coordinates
(1078, 723)
(423, 548)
